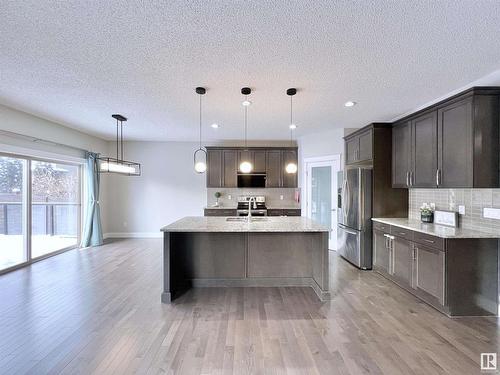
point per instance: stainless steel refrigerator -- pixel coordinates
(354, 212)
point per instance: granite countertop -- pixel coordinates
(437, 230)
(220, 224)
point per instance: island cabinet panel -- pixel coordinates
(455, 145)
(292, 259)
(273, 169)
(220, 212)
(214, 168)
(230, 163)
(424, 151)
(284, 212)
(401, 155)
(209, 255)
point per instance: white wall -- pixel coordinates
(167, 190)
(15, 121)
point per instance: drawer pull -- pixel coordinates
(402, 233)
(430, 241)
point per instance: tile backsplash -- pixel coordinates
(474, 201)
(272, 196)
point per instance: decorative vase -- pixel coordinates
(427, 218)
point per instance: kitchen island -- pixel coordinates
(242, 252)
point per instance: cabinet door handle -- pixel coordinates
(407, 178)
(430, 241)
(438, 177)
(414, 254)
(411, 178)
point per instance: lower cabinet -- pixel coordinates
(415, 267)
(429, 272)
(402, 260)
(457, 276)
(381, 252)
(219, 212)
(284, 212)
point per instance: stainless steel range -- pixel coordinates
(257, 205)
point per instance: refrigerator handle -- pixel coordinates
(344, 201)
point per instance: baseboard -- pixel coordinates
(133, 235)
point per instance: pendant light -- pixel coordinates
(246, 165)
(291, 168)
(118, 164)
(200, 155)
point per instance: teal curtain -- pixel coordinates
(92, 229)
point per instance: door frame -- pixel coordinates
(334, 160)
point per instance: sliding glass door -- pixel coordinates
(55, 207)
(45, 194)
(13, 249)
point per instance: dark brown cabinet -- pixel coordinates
(220, 212)
(424, 151)
(455, 137)
(359, 147)
(453, 144)
(289, 180)
(284, 212)
(429, 272)
(381, 252)
(223, 164)
(402, 260)
(273, 169)
(401, 155)
(257, 158)
(214, 168)
(230, 164)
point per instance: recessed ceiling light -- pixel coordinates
(293, 126)
(350, 104)
(215, 126)
(246, 103)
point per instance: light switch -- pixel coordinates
(461, 209)
(229, 197)
(281, 197)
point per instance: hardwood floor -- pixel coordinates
(98, 311)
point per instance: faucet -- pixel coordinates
(254, 200)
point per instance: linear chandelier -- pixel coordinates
(118, 164)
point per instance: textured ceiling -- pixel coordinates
(76, 62)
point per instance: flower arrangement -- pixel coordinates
(426, 213)
(217, 195)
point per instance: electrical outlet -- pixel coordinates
(433, 206)
(281, 197)
(229, 197)
(491, 213)
(461, 209)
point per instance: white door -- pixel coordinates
(321, 193)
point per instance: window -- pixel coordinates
(45, 194)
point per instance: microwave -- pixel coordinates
(251, 180)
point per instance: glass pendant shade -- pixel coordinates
(291, 168)
(246, 167)
(200, 161)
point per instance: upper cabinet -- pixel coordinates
(223, 164)
(359, 147)
(453, 144)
